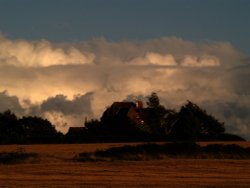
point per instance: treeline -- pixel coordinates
(121, 122)
(126, 122)
(27, 130)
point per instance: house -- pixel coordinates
(123, 116)
(76, 130)
(75, 134)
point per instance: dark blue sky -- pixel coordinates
(77, 20)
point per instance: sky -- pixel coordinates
(70, 59)
(66, 20)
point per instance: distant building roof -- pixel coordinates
(122, 115)
(76, 130)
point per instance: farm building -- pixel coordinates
(123, 116)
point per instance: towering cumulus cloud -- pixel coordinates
(42, 53)
(68, 82)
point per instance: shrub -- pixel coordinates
(161, 151)
(227, 151)
(15, 157)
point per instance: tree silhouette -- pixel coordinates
(194, 123)
(38, 130)
(27, 130)
(153, 115)
(153, 101)
(10, 129)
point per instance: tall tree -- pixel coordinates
(154, 115)
(38, 130)
(10, 129)
(153, 101)
(193, 123)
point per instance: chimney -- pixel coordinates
(139, 104)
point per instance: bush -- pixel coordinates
(161, 151)
(15, 157)
(227, 151)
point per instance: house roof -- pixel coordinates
(121, 108)
(123, 104)
(76, 129)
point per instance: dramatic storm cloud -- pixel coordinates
(71, 81)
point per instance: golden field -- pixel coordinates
(54, 167)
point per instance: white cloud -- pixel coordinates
(152, 58)
(67, 82)
(205, 61)
(40, 53)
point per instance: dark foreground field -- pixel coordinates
(53, 167)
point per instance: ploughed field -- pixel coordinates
(53, 166)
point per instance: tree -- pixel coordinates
(38, 130)
(207, 124)
(154, 114)
(153, 101)
(192, 123)
(10, 129)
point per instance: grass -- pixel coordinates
(169, 150)
(179, 169)
(14, 154)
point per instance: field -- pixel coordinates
(54, 167)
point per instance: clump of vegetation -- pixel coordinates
(140, 152)
(26, 130)
(18, 156)
(227, 151)
(169, 150)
